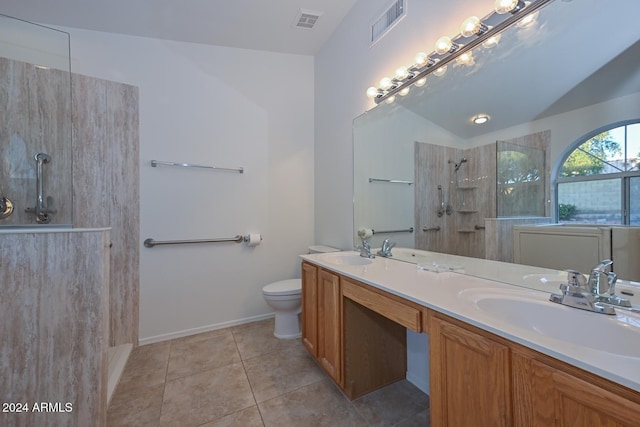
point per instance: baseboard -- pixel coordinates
(418, 382)
(201, 329)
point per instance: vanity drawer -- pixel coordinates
(390, 306)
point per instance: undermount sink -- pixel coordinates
(341, 258)
(532, 311)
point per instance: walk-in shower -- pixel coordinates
(35, 125)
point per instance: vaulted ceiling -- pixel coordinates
(250, 24)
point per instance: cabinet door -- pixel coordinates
(560, 399)
(330, 324)
(470, 383)
(310, 308)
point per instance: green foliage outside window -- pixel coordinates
(590, 158)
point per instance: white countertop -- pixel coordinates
(447, 292)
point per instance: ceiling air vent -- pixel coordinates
(387, 20)
(306, 19)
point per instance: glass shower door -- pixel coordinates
(35, 125)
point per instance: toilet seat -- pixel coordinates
(283, 287)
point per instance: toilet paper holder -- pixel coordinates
(251, 239)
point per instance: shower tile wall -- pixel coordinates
(106, 187)
(470, 192)
(53, 331)
(432, 170)
(35, 116)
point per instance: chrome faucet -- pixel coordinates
(576, 293)
(365, 249)
(596, 294)
(385, 250)
(603, 285)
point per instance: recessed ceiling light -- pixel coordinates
(480, 119)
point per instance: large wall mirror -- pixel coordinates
(427, 177)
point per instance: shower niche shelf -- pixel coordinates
(467, 187)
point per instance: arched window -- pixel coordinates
(599, 181)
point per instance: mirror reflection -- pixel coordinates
(490, 190)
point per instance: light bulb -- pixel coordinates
(480, 119)
(440, 71)
(472, 26)
(445, 45)
(421, 58)
(465, 59)
(492, 41)
(385, 83)
(372, 92)
(528, 20)
(402, 73)
(390, 100)
(508, 6)
(404, 91)
(421, 82)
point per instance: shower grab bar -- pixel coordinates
(408, 230)
(479, 227)
(149, 243)
(41, 210)
(393, 181)
(440, 211)
(436, 228)
(155, 163)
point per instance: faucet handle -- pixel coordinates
(612, 279)
(577, 279)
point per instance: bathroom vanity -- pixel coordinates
(486, 368)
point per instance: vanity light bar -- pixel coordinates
(436, 62)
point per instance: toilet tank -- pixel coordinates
(321, 249)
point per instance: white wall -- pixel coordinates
(344, 68)
(224, 107)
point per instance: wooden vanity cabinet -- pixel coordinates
(470, 376)
(546, 395)
(322, 318)
(309, 316)
(480, 379)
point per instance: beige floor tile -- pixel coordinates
(280, 372)
(146, 366)
(249, 417)
(200, 337)
(317, 405)
(137, 408)
(259, 341)
(206, 396)
(191, 356)
(421, 419)
(392, 404)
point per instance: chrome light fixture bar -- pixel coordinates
(435, 63)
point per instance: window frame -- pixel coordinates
(624, 176)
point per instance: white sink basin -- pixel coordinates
(340, 258)
(531, 310)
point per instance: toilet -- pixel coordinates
(285, 298)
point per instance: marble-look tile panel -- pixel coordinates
(37, 109)
(106, 131)
(53, 335)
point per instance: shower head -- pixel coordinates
(456, 166)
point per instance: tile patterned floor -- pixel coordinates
(243, 376)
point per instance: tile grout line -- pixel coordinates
(244, 368)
